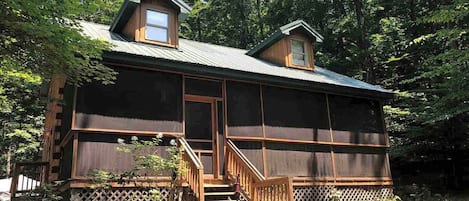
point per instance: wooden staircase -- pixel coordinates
(220, 192)
(241, 176)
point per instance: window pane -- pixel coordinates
(158, 34)
(299, 59)
(157, 18)
(298, 46)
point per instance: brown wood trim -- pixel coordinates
(67, 138)
(128, 132)
(364, 178)
(86, 182)
(203, 151)
(264, 152)
(183, 105)
(225, 128)
(386, 134)
(199, 140)
(308, 51)
(321, 183)
(75, 156)
(204, 78)
(242, 138)
(172, 25)
(74, 107)
(214, 139)
(334, 168)
(207, 99)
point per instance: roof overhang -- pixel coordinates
(129, 6)
(283, 31)
(170, 65)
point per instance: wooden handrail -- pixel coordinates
(193, 170)
(280, 189)
(237, 165)
(34, 174)
(253, 183)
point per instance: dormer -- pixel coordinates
(151, 21)
(291, 45)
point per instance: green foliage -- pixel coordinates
(147, 160)
(43, 37)
(419, 193)
(417, 48)
(21, 115)
(43, 193)
(335, 194)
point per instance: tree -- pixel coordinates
(43, 36)
(21, 115)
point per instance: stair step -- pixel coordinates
(217, 185)
(219, 193)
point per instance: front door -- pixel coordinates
(200, 131)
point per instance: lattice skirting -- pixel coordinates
(119, 194)
(347, 193)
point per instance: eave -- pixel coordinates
(170, 65)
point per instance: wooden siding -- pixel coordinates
(332, 144)
(277, 53)
(131, 29)
(98, 152)
(280, 52)
(161, 6)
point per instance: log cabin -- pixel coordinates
(267, 118)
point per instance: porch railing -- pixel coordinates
(254, 186)
(193, 170)
(273, 189)
(28, 176)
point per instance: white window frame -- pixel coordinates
(305, 53)
(157, 26)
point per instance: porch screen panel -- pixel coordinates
(289, 159)
(356, 120)
(98, 152)
(252, 151)
(139, 100)
(361, 162)
(295, 114)
(244, 116)
(67, 109)
(203, 87)
(66, 161)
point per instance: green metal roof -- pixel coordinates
(221, 61)
(128, 8)
(282, 32)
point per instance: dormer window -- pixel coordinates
(290, 46)
(157, 26)
(299, 53)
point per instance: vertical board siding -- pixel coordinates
(298, 160)
(361, 162)
(252, 151)
(99, 152)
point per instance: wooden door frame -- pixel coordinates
(213, 106)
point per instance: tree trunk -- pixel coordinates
(8, 165)
(363, 44)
